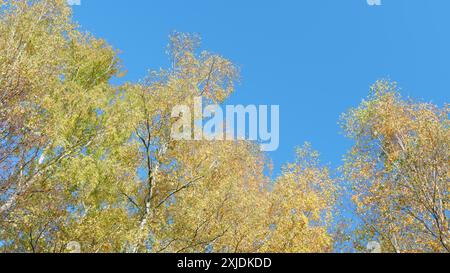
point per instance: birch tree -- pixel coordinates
(399, 167)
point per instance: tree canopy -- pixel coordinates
(86, 161)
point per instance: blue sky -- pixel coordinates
(314, 58)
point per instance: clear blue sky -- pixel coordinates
(315, 58)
